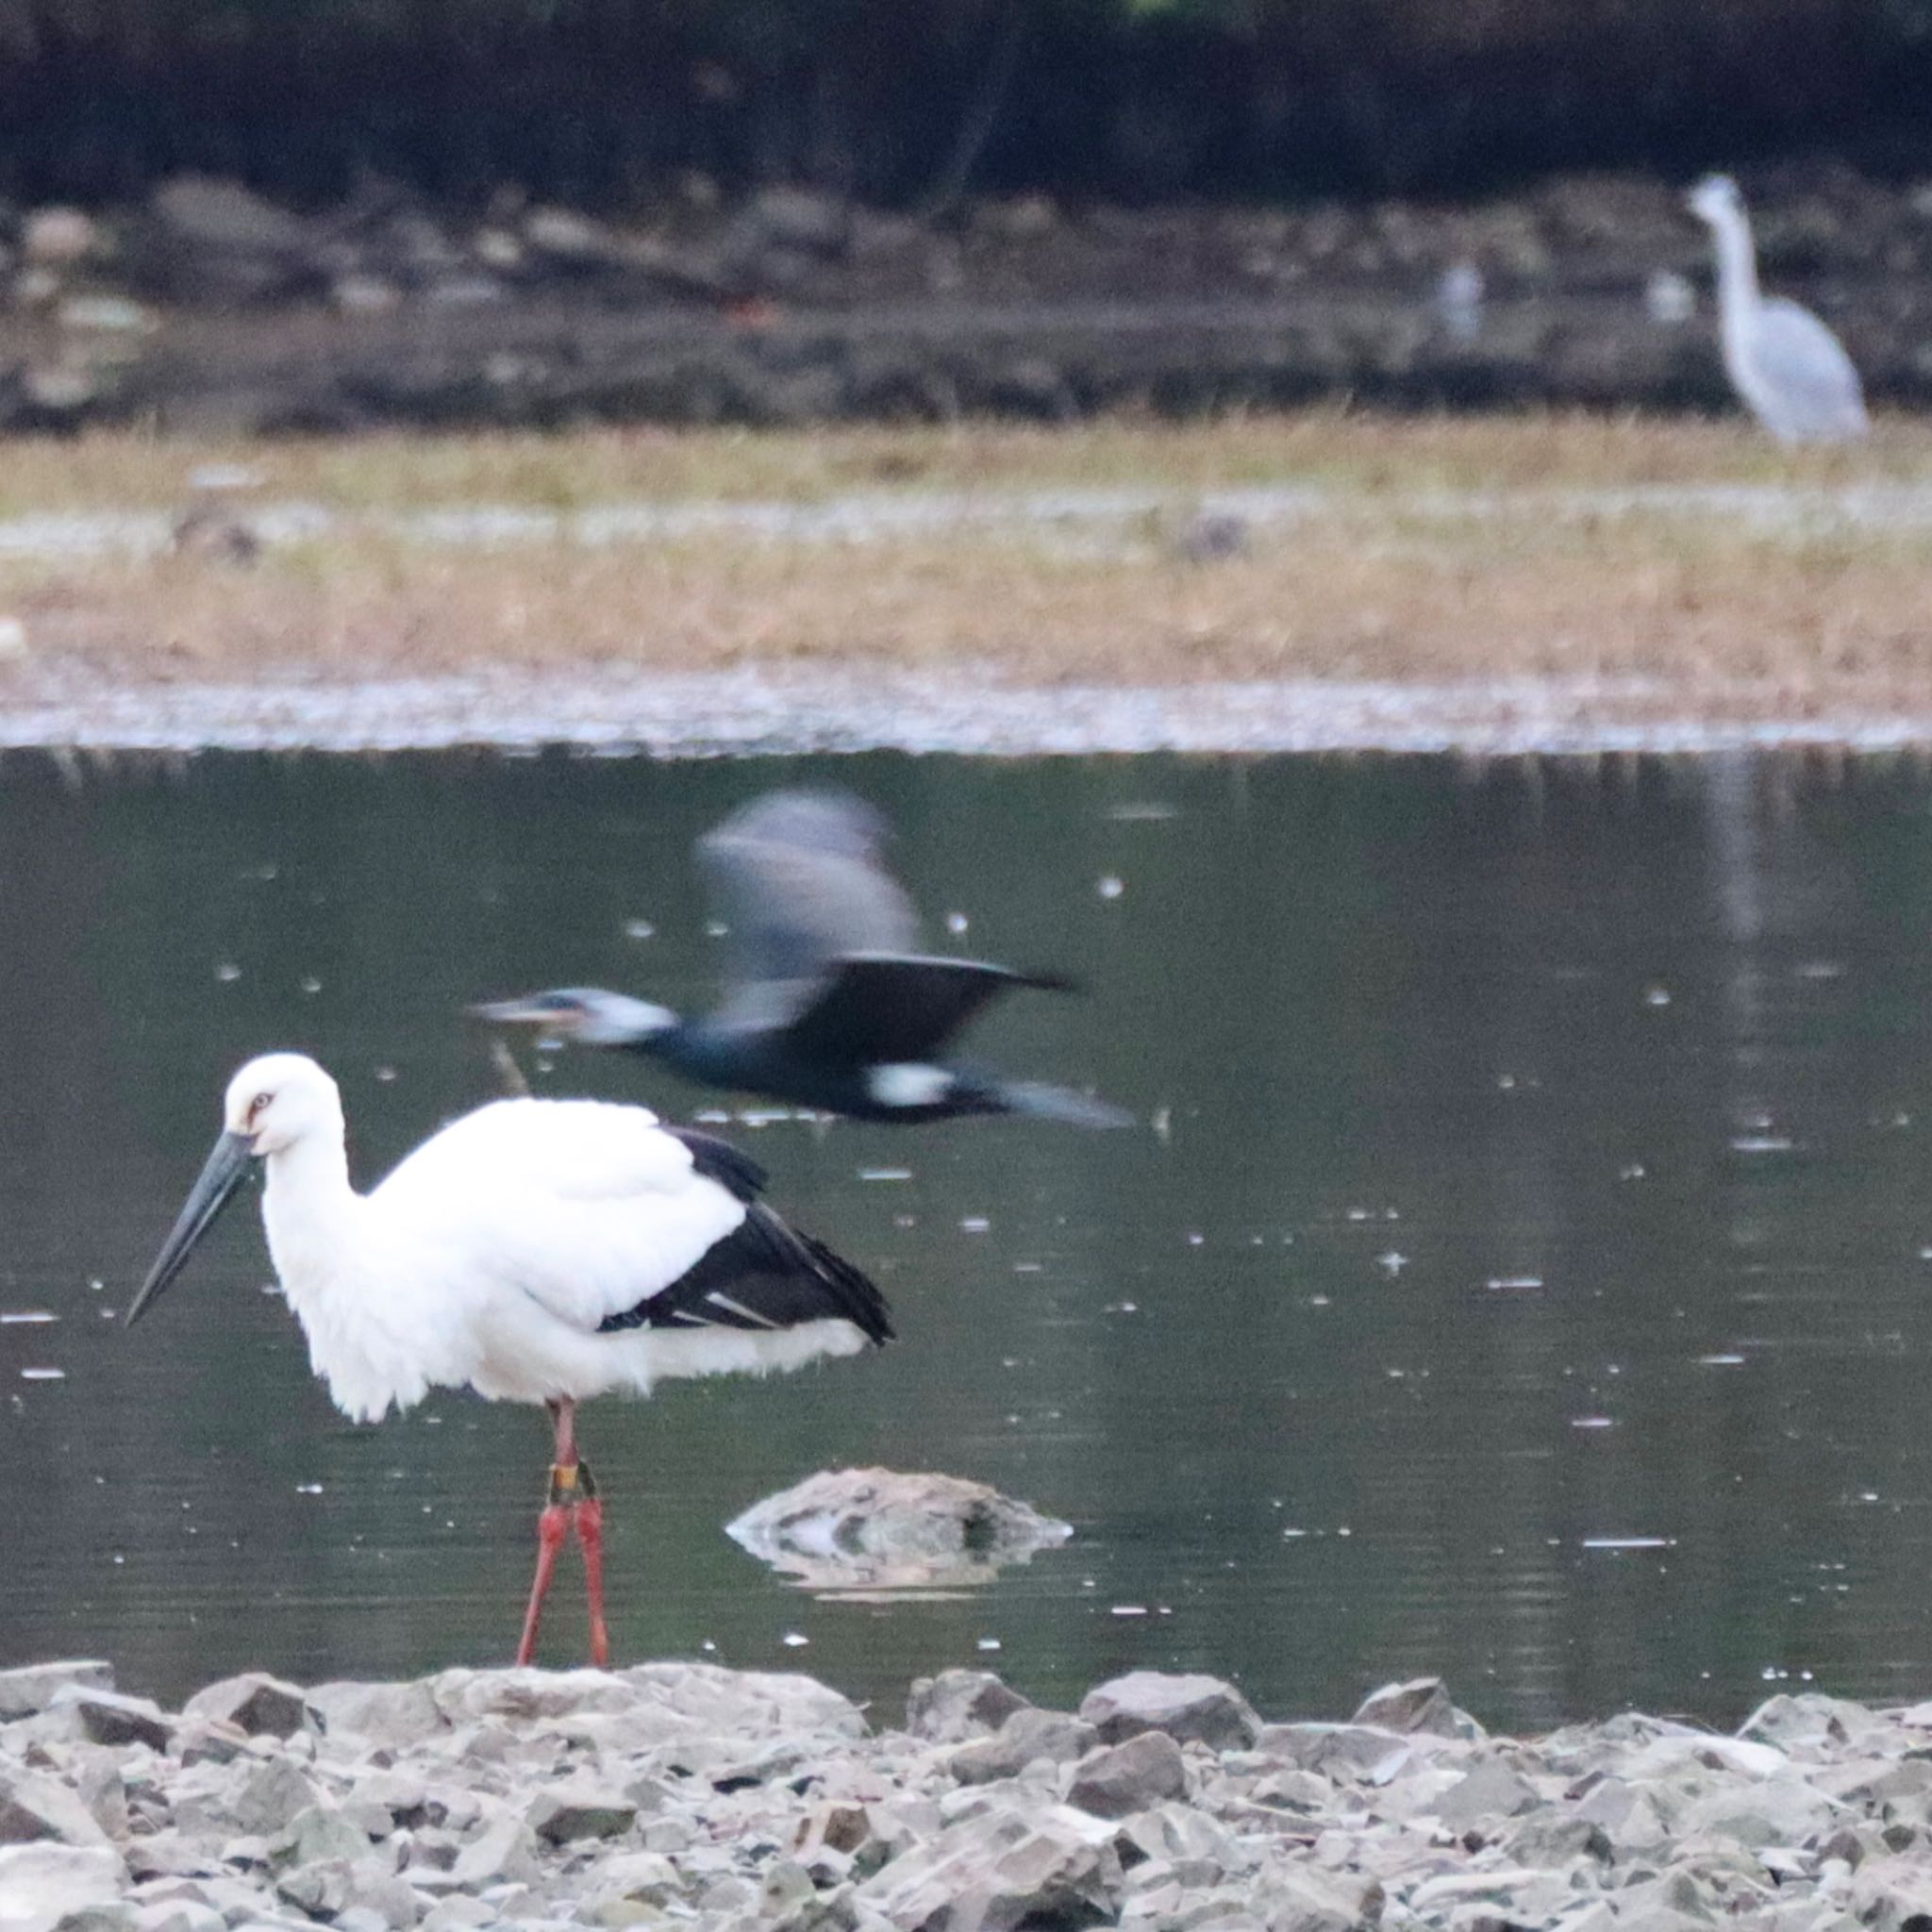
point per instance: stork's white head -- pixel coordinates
(1715, 199)
(280, 1098)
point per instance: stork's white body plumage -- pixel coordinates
(1788, 369)
(491, 1254)
(534, 1251)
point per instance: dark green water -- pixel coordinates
(1544, 1166)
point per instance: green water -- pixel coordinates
(1539, 1164)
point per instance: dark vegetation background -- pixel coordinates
(607, 103)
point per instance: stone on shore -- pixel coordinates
(958, 1704)
(254, 1703)
(106, 1716)
(1191, 1710)
(675, 1793)
(1119, 1780)
(45, 1887)
(32, 1687)
(1421, 1705)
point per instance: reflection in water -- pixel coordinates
(1523, 1273)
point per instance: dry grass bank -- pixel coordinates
(1382, 580)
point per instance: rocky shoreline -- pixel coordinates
(206, 307)
(679, 1793)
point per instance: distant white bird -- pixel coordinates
(1790, 371)
(1669, 298)
(534, 1251)
(1459, 301)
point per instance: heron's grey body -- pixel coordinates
(1788, 368)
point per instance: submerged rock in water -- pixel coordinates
(877, 1529)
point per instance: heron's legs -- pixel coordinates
(572, 1502)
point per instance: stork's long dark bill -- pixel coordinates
(227, 1166)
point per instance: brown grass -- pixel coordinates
(1371, 587)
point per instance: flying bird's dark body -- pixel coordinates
(828, 1004)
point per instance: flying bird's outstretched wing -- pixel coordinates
(797, 880)
(878, 1007)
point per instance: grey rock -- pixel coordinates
(1189, 1708)
(58, 237)
(197, 1740)
(456, 1915)
(1119, 1780)
(318, 1834)
(1341, 1752)
(105, 1717)
(501, 1853)
(877, 1528)
(644, 1877)
(958, 1704)
(271, 1797)
(206, 212)
(839, 1827)
(1047, 1866)
(99, 1786)
(391, 1901)
(1305, 1901)
(560, 1813)
(1489, 1792)
(1772, 1811)
(42, 1884)
(565, 235)
(802, 218)
(1810, 1721)
(262, 1706)
(34, 1809)
(118, 1917)
(1420, 1704)
(389, 1714)
(1551, 1837)
(30, 1688)
(1026, 1736)
(320, 1890)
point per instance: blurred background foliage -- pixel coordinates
(899, 102)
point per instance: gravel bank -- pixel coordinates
(681, 1794)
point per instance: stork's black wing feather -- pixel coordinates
(881, 1008)
(797, 879)
(762, 1275)
(718, 1160)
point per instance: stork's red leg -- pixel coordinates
(553, 1525)
(590, 1522)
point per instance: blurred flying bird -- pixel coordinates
(534, 1251)
(826, 1003)
(1789, 370)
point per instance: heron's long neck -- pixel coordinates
(1737, 268)
(310, 1212)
